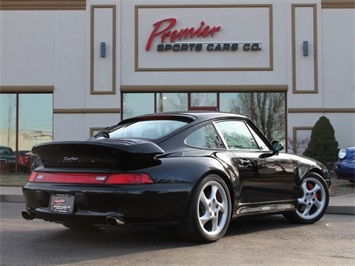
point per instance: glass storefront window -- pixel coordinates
(137, 104)
(269, 114)
(8, 120)
(167, 102)
(235, 102)
(35, 120)
(34, 125)
(203, 99)
(266, 109)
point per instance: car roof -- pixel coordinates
(5, 147)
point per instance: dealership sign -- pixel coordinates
(165, 31)
(203, 38)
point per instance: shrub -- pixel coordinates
(323, 146)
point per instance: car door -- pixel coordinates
(264, 175)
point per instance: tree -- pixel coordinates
(266, 110)
(323, 145)
(294, 145)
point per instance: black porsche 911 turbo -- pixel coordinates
(193, 171)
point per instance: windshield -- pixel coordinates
(147, 129)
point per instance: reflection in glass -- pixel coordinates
(8, 120)
(204, 99)
(266, 109)
(35, 119)
(171, 102)
(269, 114)
(235, 102)
(137, 104)
(35, 125)
(237, 135)
(205, 137)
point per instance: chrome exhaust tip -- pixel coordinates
(27, 215)
(114, 221)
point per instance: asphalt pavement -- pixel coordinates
(343, 204)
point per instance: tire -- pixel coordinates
(208, 212)
(80, 227)
(313, 201)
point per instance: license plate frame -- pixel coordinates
(62, 203)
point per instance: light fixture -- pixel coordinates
(102, 49)
(305, 48)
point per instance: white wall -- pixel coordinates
(26, 48)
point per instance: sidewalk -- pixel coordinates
(344, 204)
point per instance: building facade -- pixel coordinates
(70, 68)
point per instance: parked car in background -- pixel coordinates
(188, 170)
(27, 161)
(345, 167)
(7, 159)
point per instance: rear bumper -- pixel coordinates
(138, 204)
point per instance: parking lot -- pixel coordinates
(263, 240)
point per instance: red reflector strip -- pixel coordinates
(134, 178)
(70, 178)
(84, 178)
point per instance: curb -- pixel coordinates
(343, 210)
(12, 198)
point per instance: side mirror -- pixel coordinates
(277, 146)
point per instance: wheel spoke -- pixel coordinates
(214, 190)
(318, 204)
(307, 210)
(204, 201)
(302, 200)
(205, 218)
(221, 207)
(214, 223)
(315, 189)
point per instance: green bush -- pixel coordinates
(323, 146)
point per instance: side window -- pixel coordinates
(237, 135)
(260, 142)
(205, 137)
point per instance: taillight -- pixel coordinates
(83, 178)
(32, 177)
(23, 160)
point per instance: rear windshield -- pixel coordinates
(146, 129)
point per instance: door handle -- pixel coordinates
(244, 162)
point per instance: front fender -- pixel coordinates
(304, 165)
